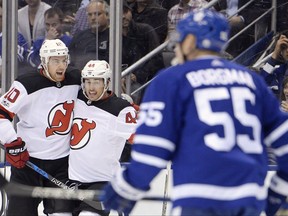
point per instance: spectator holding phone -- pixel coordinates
(275, 70)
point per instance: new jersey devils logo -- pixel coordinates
(81, 133)
(60, 119)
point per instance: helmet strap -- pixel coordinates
(46, 73)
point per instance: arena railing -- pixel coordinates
(160, 48)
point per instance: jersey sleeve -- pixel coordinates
(156, 133)
(126, 122)
(275, 128)
(10, 103)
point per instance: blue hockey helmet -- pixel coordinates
(210, 28)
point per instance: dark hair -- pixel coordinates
(284, 33)
(285, 82)
(51, 12)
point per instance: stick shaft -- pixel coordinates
(47, 175)
(16, 189)
(95, 204)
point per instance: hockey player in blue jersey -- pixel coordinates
(213, 119)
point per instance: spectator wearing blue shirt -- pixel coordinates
(275, 70)
(53, 18)
(22, 49)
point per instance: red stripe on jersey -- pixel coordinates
(11, 115)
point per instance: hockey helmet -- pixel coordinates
(97, 69)
(210, 28)
(51, 48)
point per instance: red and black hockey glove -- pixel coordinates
(16, 153)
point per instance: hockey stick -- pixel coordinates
(3, 202)
(47, 176)
(17, 189)
(95, 204)
(164, 206)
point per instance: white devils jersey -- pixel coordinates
(45, 112)
(99, 132)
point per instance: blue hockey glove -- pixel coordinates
(112, 200)
(274, 202)
(277, 192)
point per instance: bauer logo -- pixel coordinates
(81, 133)
(16, 151)
(60, 119)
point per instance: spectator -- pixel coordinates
(53, 19)
(284, 95)
(108, 121)
(151, 13)
(31, 20)
(138, 40)
(178, 11)
(22, 44)
(81, 19)
(240, 20)
(282, 15)
(167, 4)
(67, 6)
(275, 69)
(206, 130)
(92, 43)
(22, 48)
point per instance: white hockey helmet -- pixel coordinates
(98, 69)
(50, 48)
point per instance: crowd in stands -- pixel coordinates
(83, 25)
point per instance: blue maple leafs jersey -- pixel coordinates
(213, 119)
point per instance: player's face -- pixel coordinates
(94, 88)
(53, 24)
(97, 16)
(57, 66)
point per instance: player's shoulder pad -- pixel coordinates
(73, 75)
(33, 81)
(118, 105)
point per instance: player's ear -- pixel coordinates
(189, 44)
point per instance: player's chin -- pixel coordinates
(93, 97)
(60, 78)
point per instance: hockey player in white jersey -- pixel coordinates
(44, 103)
(102, 123)
(213, 119)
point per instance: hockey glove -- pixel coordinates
(274, 202)
(112, 200)
(16, 153)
